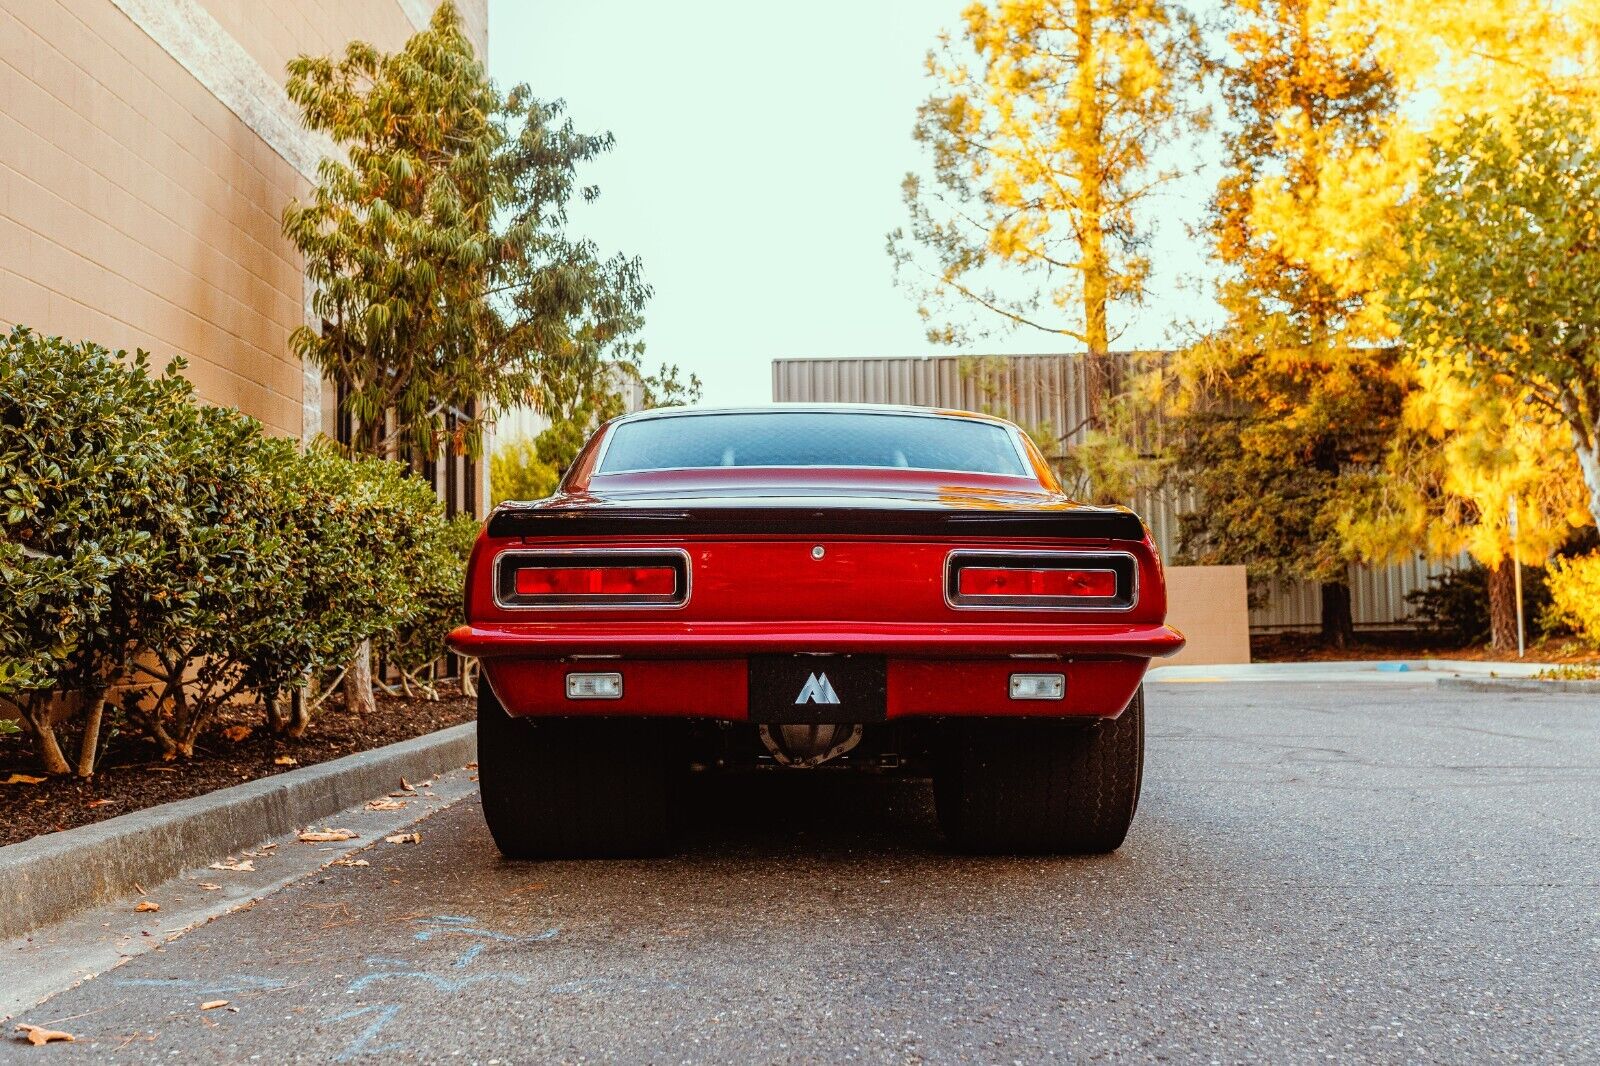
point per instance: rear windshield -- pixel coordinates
(812, 438)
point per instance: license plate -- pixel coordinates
(818, 688)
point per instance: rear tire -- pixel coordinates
(576, 787)
(1041, 784)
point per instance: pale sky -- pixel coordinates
(760, 149)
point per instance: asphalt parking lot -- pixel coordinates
(1318, 872)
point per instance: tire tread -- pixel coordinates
(1041, 785)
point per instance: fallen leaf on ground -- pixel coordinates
(325, 836)
(406, 785)
(269, 847)
(236, 865)
(386, 805)
(405, 838)
(24, 779)
(38, 1034)
(100, 802)
(213, 1004)
(146, 907)
(426, 784)
(472, 766)
(286, 760)
(237, 733)
(207, 886)
(350, 862)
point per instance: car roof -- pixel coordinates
(814, 408)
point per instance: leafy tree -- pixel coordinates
(517, 473)
(1460, 461)
(1267, 436)
(1041, 160)
(433, 246)
(1503, 261)
(444, 278)
(1443, 488)
(1274, 414)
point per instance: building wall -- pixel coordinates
(147, 150)
(1049, 391)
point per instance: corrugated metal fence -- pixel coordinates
(1038, 391)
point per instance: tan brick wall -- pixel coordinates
(277, 32)
(139, 211)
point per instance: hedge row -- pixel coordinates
(160, 558)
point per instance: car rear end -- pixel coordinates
(862, 616)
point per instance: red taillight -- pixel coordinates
(596, 581)
(1016, 581)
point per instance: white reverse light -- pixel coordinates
(594, 686)
(1038, 686)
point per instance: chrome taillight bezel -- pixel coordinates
(508, 562)
(1124, 564)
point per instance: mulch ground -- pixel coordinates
(1299, 647)
(132, 775)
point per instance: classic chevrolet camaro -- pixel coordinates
(884, 588)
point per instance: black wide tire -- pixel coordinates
(1040, 785)
(577, 787)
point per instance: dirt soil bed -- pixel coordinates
(1298, 647)
(132, 775)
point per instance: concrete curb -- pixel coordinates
(1415, 671)
(1520, 684)
(51, 877)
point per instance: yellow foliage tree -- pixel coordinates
(1463, 452)
(1273, 414)
(1461, 461)
(1043, 133)
(1446, 59)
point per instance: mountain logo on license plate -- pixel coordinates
(818, 689)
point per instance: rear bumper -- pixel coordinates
(701, 670)
(693, 640)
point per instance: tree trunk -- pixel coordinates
(42, 722)
(274, 709)
(1503, 607)
(95, 703)
(358, 682)
(1589, 463)
(1091, 216)
(299, 714)
(1338, 624)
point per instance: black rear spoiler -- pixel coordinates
(1089, 523)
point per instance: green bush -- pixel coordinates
(1454, 608)
(1575, 597)
(90, 523)
(218, 591)
(174, 552)
(360, 533)
(414, 645)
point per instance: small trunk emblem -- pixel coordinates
(818, 689)
(817, 552)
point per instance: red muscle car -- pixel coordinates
(884, 588)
